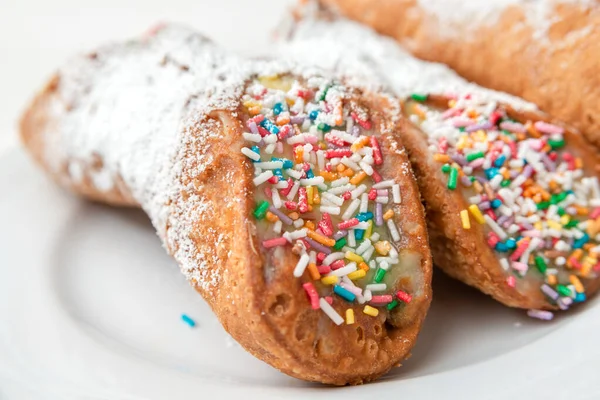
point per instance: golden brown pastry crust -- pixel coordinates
(558, 71)
(465, 254)
(271, 318)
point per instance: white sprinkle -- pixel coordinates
(298, 223)
(338, 201)
(382, 199)
(269, 164)
(301, 265)
(294, 235)
(363, 246)
(494, 226)
(351, 209)
(560, 261)
(368, 295)
(349, 163)
(270, 148)
(396, 194)
(330, 210)
(276, 199)
(340, 182)
(321, 160)
(504, 263)
(393, 230)
(358, 191)
(348, 269)
(292, 194)
(376, 287)
(384, 184)
(394, 254)
(277, 226)
(364, 203)
(281, 185)
(342, 189)
(374, 237)
(368, 253)
(333, 257)
(250, 154)
(316, 181)
(262, 178)
(313, 256)
(351, 239)
(251, 137)
(361, 225)
(366, 167)
(384, 265)
(330, 312)
(270, 139)
(293, 173)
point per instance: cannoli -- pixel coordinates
(512, 197)
(544, 51)
(284, 193)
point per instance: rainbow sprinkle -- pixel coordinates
(540, 211)
(319, 193)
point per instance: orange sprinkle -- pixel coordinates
(329, 176)
(347, 172)
(272, 217)
(294, 215)
(578, 163)
(317, 198)
(531, 130)
(388, 214)
(254, 110)
(581, 210)
(356, 179)
(340, 168)
(359, 144)
(576, 254)
(551, 279)
(320, 238)
(313, 272)
(443, 158)
(363, 265)
(299, 154)
(310, 225)
(472, 114)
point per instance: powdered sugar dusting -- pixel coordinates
(356, 50)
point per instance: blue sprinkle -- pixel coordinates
(500, 246)
(359, 234)
(491, 172)
(500, 161)
(287, 164)
(511, 243)
(278, 173)
(277, 108)
(313, 114)
(362, 217)
(270, 126)
(344, 293)
(310, 174)
(496, 203)
(256, 149)
(190, 322)
(577, 244)
(580, 297)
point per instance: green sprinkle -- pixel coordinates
(461, 129)
(540, 263)
(561, 211)
(556, 144)
(475, 156)
(446, 168)
(557, 198)
(453, 178)
(324, 94)
(505, 183)
(392, 305)
(261, 210)
(340, 243)
(323, 127)
(419, 97)
(563, 290)
(379, 275)
(572, 224)
(542, 205)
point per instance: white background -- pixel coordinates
(37, 36)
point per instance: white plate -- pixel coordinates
(90, 307)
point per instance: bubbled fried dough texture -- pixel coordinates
(203, 203)
(545, 52)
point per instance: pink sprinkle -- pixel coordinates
(403, 296)
(329, 299)
(511, 281)
(313, 295)
(302, 200)
(312, 139)
(334, 140)
(324, 269)
(381, 300)
(575, 263)
(536, 144)
(596, 213)
(550, 129)
(513, 127)
(361, 122)
(451, 112)
(476, 163)
(348, 224)
(338, 153)
(519, 266)
(291, 205)
(351, 288)
(268, 192)
(320, 257)
(280, 241)
(382, 192)
(540, 314)
(372, 194)
(376, 150)
(326, 225)
(520, 250)
(376, 177)
(462, 122)
(337, 264)
(286, 190)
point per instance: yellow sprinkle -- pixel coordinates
(359, 273)
(356, 179)
(329, 280)
(363, 265)
(554, 225)
(577, 283)
(349, 316)
(464, 217)
(451, 103)
(551, 280)
(565, 219)
(309, 194)
(388, 214)
(538, 226)
(276, 82)
(369, 229)
(373, 312)
(320, 238)
(316, 197)
(476, 213)
(477, 186)
(313, 271)
(383, 247)
(353, 257)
